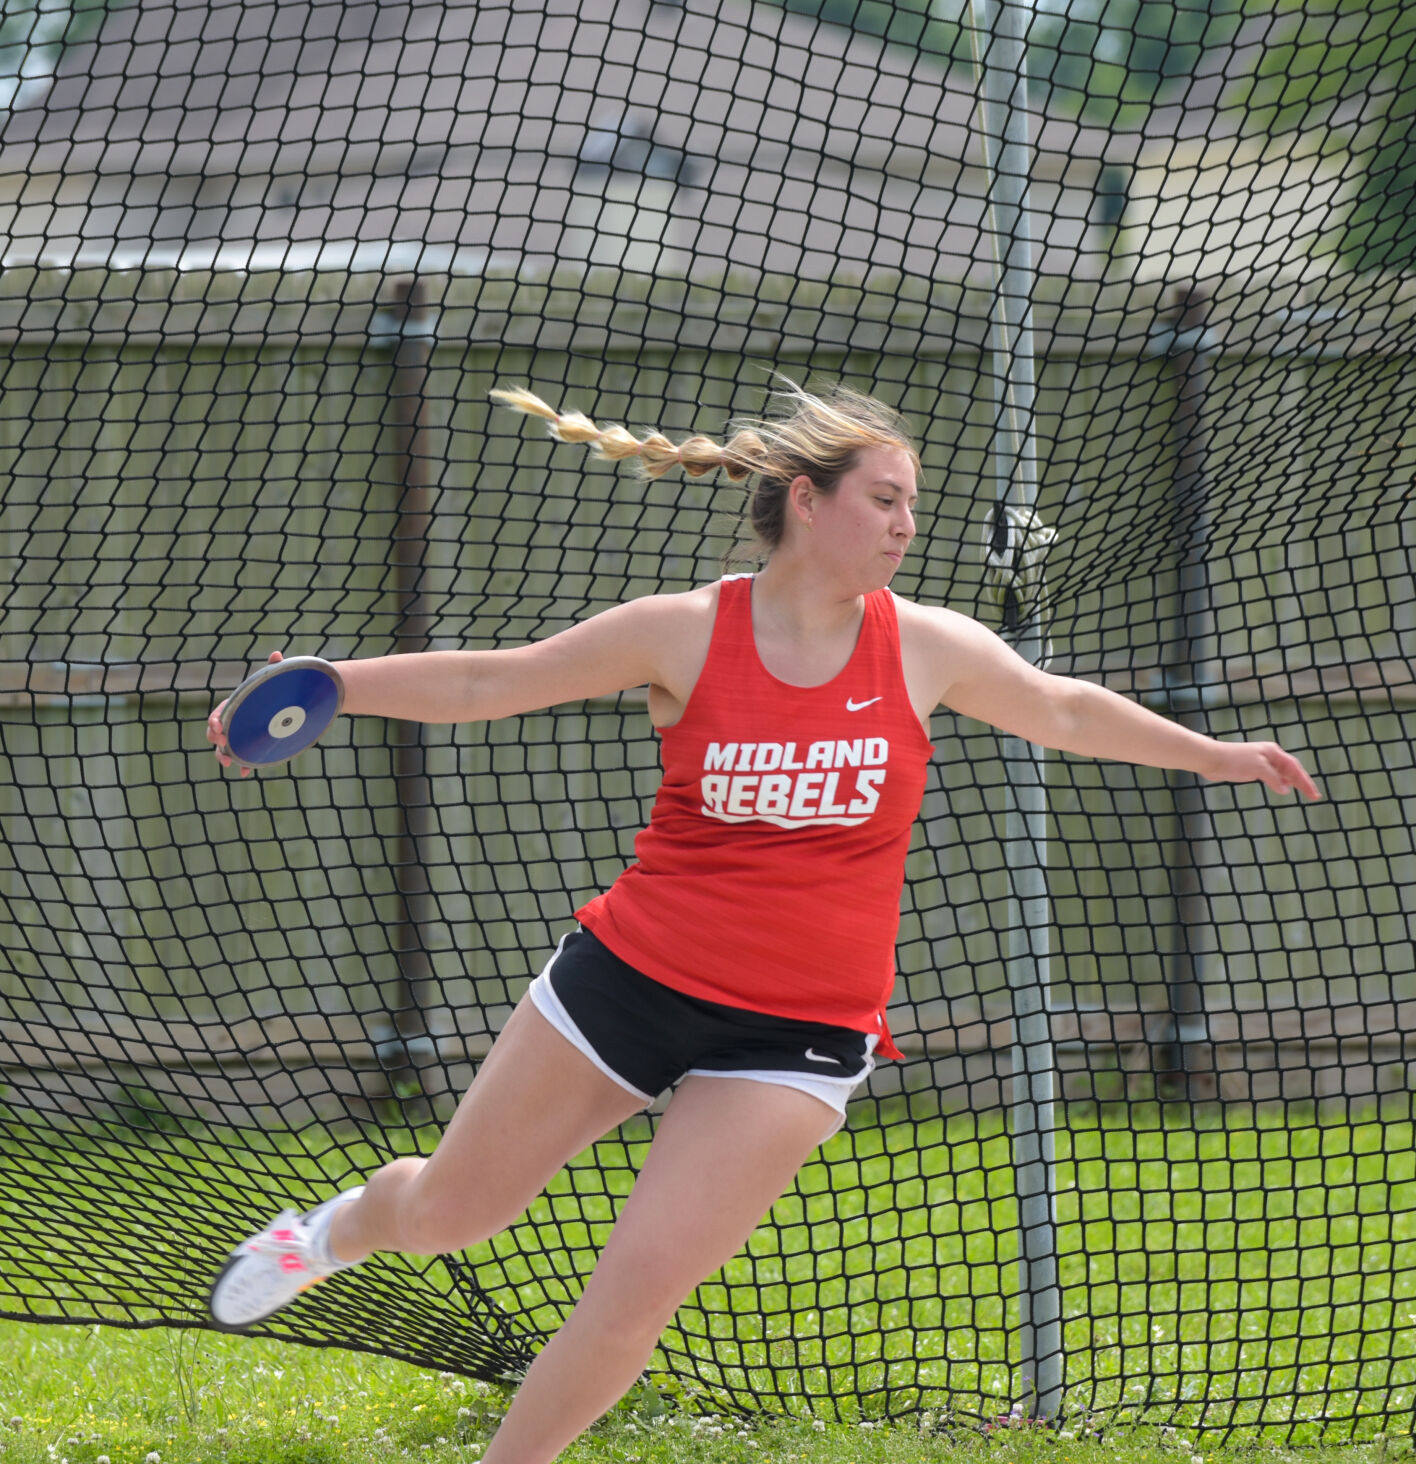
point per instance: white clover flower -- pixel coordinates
(464, 1412)
(103, 1459)
(153, 1458)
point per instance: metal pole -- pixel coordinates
(400, 1055)
(1184, 1070)
(999, 35)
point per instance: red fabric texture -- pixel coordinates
(770, 874)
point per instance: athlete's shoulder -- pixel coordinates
(934, 624)
(937, 645)
(673, 631)
(676, 608)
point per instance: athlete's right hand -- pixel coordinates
(216, 733)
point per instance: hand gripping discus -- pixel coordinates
(281, 710)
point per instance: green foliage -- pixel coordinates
(1318, 54)
(1345, 70)
(1109, 61)
(1104, 61)
(33, 36)
(146, 1111)
(1381, 232)
(917, 24)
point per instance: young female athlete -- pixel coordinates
(747, 953)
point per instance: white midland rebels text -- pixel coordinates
(836, 782)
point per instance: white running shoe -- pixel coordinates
(272, 1268)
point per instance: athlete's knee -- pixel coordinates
(387, 1190)
(637, 1301)
(434, 1221)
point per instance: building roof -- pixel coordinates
(336, 131)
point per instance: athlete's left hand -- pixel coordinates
(216, 733)
(1260, 762)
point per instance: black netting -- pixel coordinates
(261, 266)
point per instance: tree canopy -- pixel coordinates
(1343, 71)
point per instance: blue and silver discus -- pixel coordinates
(284, 708)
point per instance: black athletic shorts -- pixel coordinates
(646, 1036)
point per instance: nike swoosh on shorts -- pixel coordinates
(813, 1056)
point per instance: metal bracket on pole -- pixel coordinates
(1015, 545)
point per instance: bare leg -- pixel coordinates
(534, 1105)
(726, 1149)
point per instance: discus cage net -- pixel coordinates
(1140, 274)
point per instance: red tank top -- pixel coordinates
(770, 874)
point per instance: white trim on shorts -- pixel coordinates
(543, 995)
(833, 1092)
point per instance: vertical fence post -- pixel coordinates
(1184, 1058)
(999, 33)
(405, 321)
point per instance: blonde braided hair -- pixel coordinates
(820, 438)
(656, 454)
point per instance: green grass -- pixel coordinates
(84, 1393)
(1235, 1271)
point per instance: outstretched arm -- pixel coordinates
(608, 653)
(983, 677)
(629, 645)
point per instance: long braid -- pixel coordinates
(655, 453)
(820, 437)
